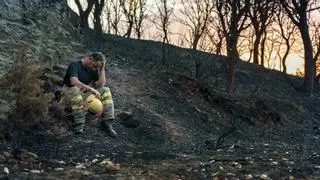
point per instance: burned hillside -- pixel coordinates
(171, 125)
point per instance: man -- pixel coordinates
(84, 77)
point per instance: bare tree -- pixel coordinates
(215, 34)
(250, 40)
(262, 47)
(135, 13)
(140, 15)
(116, 16)
(315, 37)
(273, 46)
(287, 31)
(261, 13)
(106, 20)
(205, 44)
(98, 6)
(162, 22)
(297, 11)
(162, 19)
(84, 14)
(128, 8)
(195, 16)
(242, 44)
(232, 15)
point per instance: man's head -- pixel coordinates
(96, 60)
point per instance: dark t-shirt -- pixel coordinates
(76, 69)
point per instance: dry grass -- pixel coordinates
(24, 91)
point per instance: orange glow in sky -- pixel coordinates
(294, 61)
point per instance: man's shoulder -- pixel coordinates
(75, 63)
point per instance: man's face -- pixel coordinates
(95, 64)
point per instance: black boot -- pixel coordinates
(107, 127)
(78, 122)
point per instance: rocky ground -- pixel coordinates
(170, 125)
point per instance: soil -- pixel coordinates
(173, 126)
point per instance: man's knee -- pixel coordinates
(104, 89)
(74, 89)
(74, 99)
(105, 96)
(77, 104)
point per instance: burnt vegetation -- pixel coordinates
(181, 113)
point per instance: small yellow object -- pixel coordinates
(93, 104)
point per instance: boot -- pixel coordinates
(107, 127)
(78, 122)
(78, 129)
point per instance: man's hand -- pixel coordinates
(75, 81)
(103, 65)
(102, 77)
(95, 92)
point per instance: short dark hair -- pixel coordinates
(98, 56)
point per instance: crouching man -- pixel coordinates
(85, 78)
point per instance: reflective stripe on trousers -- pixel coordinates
(75, 99)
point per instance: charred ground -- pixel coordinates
(173, 126)
(170, 124)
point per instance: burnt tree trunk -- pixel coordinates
(262, 49)
(84, 14)
(256, 48)
(232, 54)
(309, 63)
(97, 15)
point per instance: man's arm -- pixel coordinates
(102, 77)
(75, 81)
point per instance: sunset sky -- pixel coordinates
(294, 62)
